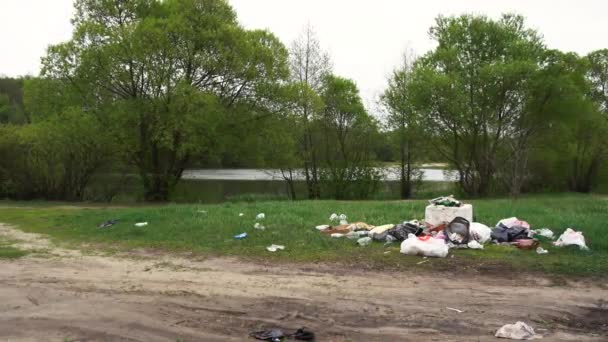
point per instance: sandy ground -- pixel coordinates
(63, 295)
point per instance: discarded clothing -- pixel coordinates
(347, 228)
(379, 233)
(273, 248)
(509, 234)
(343, 229)
(457, 232)
(360, 226)
(425, 246)
(571, 238)
(517, 331)
(107, 224)
(480, 232)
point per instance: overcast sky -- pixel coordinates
(364, 37)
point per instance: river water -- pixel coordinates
(390, 174)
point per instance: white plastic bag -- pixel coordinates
(571, 237)
(273, 248)
(512, 222)
(260, 216)
(474, 245)
(258, 226)
(517, 331)
(364, 241)
(427, 246)
(545, 232)
(480, 232)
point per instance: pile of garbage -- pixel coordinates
(445, 227)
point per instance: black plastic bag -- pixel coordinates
(402, 230)
(505, 234)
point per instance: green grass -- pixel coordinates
(181, 228)
(8, 252)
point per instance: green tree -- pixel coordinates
(161, 74)
(348, 132)
(473, 89)
(403, 123)
(309, 66)
(598, 76)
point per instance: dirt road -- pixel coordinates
(67, 296)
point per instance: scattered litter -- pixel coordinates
(426, 245)
(364, 241)
(323, 227)
(503, 233)
(474, 245)
(422, 262)
(271, 335)
(275, 335)
(108, 224)
(260, 216)
(513, 222)
(458, 232)
(387, 252)
(342, 219)
(357, 235)
(241, 214)
(459, 311)
(526, 243)
(480, 232)
(571, 237)
(273, 248)
(337, 235)
(303, 334)
(517, 331)
(544, 232)
(141, 224)
(240, 236)
(258, 226)
(447, 201)
(541, 250)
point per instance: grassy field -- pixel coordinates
(209, 230)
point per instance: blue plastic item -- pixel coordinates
(240, 236)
